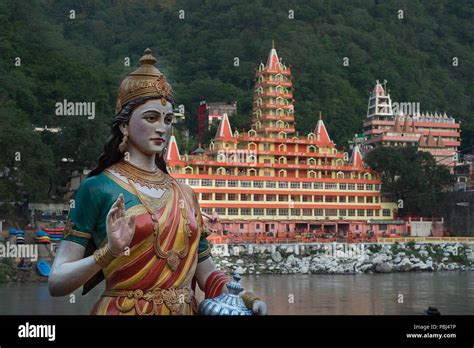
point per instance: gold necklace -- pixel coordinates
(172, 257)
(151, 179)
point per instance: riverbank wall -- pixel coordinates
(341, 258)
(323, 258)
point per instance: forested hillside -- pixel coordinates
(75, 50)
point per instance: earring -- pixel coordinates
(163, 153)
(123, 145)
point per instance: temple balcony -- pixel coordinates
(276, 94)
(274, 117)
(277, 106)
(273, 83)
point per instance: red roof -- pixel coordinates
(322, 135)
(172, 154)
(356, 158)
(224, 132)
(273, 62)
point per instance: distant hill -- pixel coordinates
(75, 50)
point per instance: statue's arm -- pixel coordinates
(204, 270)
(70, 270)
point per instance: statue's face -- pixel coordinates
(149, 128)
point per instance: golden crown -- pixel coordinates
(146, 81)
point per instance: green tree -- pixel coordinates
(411, 176)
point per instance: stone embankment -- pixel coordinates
(343, 258)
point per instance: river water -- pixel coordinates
(393, 293)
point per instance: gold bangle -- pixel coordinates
(104, 256)
(249, 299)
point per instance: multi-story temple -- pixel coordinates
(432, 132)
(270, 179)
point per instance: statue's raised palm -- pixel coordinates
(119, 231)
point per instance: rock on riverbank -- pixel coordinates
(343, 258)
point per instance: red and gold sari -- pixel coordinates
(142, 283)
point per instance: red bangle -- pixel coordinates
(215, 284)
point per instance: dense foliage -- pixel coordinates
(82, 59)
(412, 178)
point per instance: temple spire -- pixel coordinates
(273, 62)
(356, 158)
(322, 135)
(224, 131)
(172, 154)
(380, 104)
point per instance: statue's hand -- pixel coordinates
(259, 308)
(119, 231)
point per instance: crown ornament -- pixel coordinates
(146, 81)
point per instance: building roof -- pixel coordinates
(430, 141)
(356, 158)
(273, 62)
(224, 132)
(378, 89)
(172, 154)
(322, 135)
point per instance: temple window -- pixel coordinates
(245, 197)
(360, 199)
(318, 212)
(270, 184)
(206, 196)
(193, 182)
(258, 184)
(220, 197)
(283, 184)
(271, 198)
(306, 198)
(283, 211)
(295, 185)
(318, 185)
(245, 211)
(360, 187)
(282, 198)
(295, 212)
(360, 212)
(232, 183)
(271, 211)
(220, 183)
(207, 182)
